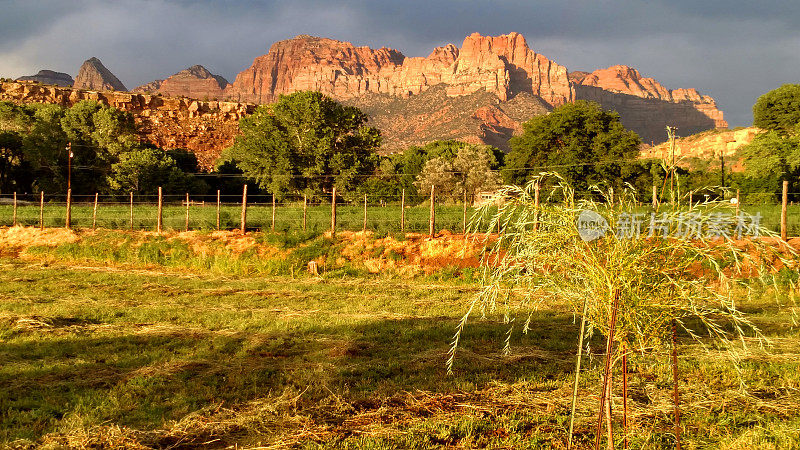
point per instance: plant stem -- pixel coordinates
(607, 374)
(675, 393)
(577, 375)
(625, 396)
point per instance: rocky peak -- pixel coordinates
(50, 77)
(94, 76)
(194, 82)
(503, 65)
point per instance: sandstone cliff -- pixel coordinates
(502, 65)
(645, 105)
(707, 145)
(205, 128)
(50, 77)
(194, 82)
(94, 76)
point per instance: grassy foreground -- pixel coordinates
(103, 351)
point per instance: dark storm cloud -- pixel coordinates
(732, 50)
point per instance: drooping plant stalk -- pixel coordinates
(577, 376)
(675, 394)
(605, 392)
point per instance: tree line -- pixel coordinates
(307, 144)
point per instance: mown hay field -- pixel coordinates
(130, 340)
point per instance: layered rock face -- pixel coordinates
(205, 128)
(645, 105)
(194, 82)
(502, 65)
(94, 76)
(50, 77)
(707, 145)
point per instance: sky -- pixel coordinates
(732, 50)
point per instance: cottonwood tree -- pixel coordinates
(306, 142)
(469, 169)
(583, 143)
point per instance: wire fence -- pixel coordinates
(265, 213)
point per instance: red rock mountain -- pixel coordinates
(645, 105)
(194, 82)
(503, 66)
(94, 76)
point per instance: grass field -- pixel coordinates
(107, 353)
(380, 219)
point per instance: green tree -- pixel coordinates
(582, 142)
(769, 159)
(11, 159)
(306, 142)
(143, 170)
(778, 109)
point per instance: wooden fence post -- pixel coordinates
(41, 210)
(464, 214)
(784, 202)
(244, 210)
(94, 211)
(186, 228)
(365, 214)
(691, 198)
(738, 202)
(305, 210)
(655, 197)
(273, 212)
(14, 219)
(432, 216)
(68, 221)
(218, 202)
(333, 212)
(131, 211)
(160, 216)
(403, 212)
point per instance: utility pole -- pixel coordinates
(722, 168)
(671, 135)
(69, 165)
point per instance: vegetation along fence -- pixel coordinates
(266, 213)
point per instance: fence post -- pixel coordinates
(464, 214)
(94, 211)
(691, 197)
(218, 201)
(655, 197)
(432, 217)
(273, 212)
(403, 212)
(738, 201)
(784, 201)
(41, 210)
(305, 210)
(131, 224)
(244, 210)
(365, 213)
(14, 219)
(68, 221)
(187, 212)
(333, 212)
(159, 218)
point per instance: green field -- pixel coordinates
(106, 353)
(381, 219)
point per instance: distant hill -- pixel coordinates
(50, 77)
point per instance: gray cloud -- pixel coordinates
(732, 50)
